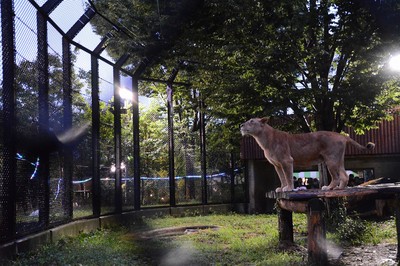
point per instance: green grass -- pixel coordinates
(356, 231)
(240, 240)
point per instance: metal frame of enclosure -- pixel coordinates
(52, 191)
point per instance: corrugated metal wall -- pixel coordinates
(249, 149)
(386, 139)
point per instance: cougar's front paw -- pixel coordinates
(278, 189)
(287, 188)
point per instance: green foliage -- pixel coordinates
(351, 230)
(346, 229)
(336, 214)
(154, 139)
(355, 231)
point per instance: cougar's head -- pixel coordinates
(253, 126)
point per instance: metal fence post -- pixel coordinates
(117, 141)
(96, 195)
(136, 140)
(43, 83)
(96, 199)
(170, 107)
(203, 153)
(136, 145)
(232, 173)
(8, 165)
(67, 105)
(117, 133)
(67, 124)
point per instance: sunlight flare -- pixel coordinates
(394, 63)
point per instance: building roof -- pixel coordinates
(386, 138)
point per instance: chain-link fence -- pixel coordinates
(72, 145)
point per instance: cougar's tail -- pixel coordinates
(370, 146)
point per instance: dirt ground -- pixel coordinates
(368, 255)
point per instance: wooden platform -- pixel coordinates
(377, 190)
(312, 202)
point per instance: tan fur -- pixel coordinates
(284, 150)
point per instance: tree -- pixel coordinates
(145, 28)
(154, 140)
(319, 64)
(319, 59)
(27, 111)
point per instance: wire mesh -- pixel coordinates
(3, 180)
(1, 69)
(58, 206)
(27, 181)
(127, 143)
(188, 177)
(153, 153)
(218, 177)
(64, 21)
(52, 187)
(225, 178)
(82, 178)
(107, 147)
(7, 147)
(40, 2)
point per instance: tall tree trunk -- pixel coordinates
(324, 115)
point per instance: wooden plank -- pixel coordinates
(360, 191)
(293, 206)
(294, 195)
(354, 192)
(385, 188)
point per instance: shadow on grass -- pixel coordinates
(165, 246)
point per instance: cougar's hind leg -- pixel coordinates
(335, 174)
(344, 178)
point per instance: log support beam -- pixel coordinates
(316, 241)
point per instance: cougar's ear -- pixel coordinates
(264, 120)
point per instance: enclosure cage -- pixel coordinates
(54, 79)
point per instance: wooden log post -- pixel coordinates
(285, 218)
(317, 251)
(397, 215)
(285, 221)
